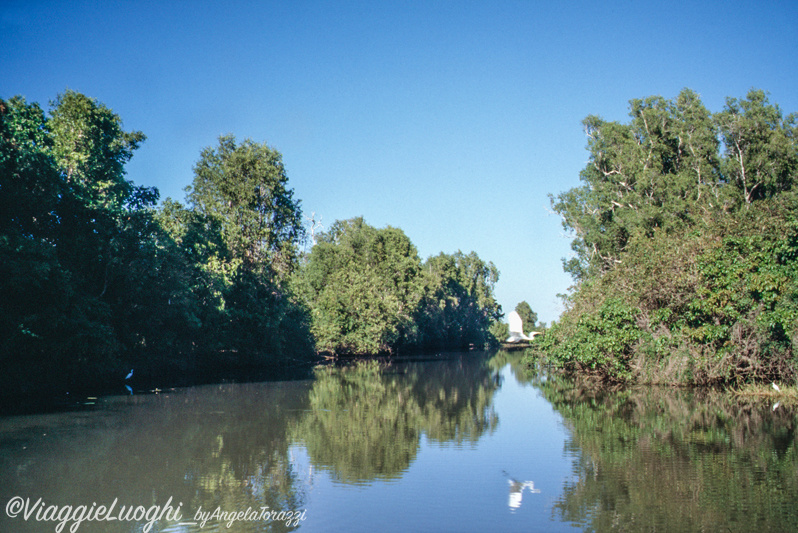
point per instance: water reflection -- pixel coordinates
(231, 447)
(517, 492)
(676, 460)
(365, 421)
(416, 445)
(216, 446)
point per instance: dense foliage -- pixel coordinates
(458, 308)
(361, 286)
(97, 278)
(369, 292)
(241, 232)
(68, 222)
(686, 246)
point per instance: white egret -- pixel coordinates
(517, 491)
(776, 387)
(130, 375)
(517, 329)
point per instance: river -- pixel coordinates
(463, 442)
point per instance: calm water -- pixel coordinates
(456, 444)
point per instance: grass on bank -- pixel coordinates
(762, 390)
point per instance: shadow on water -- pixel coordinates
(66, 396)
(217, 445)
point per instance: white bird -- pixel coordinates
(776, 387)
(517, 329)
(517, 491)
(130, 375)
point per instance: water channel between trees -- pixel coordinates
(463, 442)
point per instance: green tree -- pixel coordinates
(91, 149)
(244, 188)
(760, 146)
(241, 231)
(96, 279)
(459, 307)
(30, 185)
(528, 316)
(67, 214)
(362, 286)
(684, 233)
(659, 172)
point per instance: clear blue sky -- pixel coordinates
(452, 120)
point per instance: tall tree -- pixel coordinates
(91, 149)
(30, 185)
(244, 187)
(685, 244)
(242, 230)
(68, 213)
(657, 173)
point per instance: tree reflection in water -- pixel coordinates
(231, 446)
(658, 459)
(222, 446)
(634, 460)
(365, 421)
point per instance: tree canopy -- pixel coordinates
(528, 316)
(70, 223)
(458, 308)
(368, 291)
(243, 188)
(96, 277)
(684, 245)
(360, 284)
(240, 232)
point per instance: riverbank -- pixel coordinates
(535, 363)
(782, 394)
